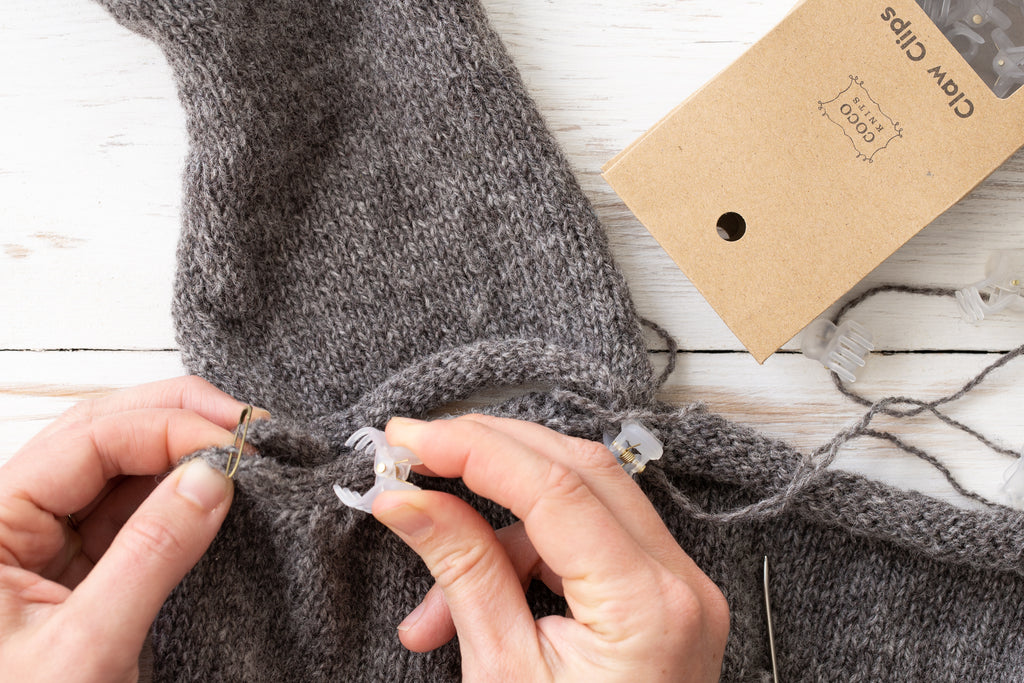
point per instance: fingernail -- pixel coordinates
(402, 430)
(407, 520)
(260, 414)
(413, 617)
(405, 422)
(203, 485)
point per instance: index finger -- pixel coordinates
(602, 567)
(185, 393)
(605, 477)
(64, 473)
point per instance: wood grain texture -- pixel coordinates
(36, 387)
(93, 141)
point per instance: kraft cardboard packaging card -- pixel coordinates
(789, 177)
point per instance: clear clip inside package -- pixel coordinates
(989, 34)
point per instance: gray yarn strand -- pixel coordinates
(672, 350)
(812, 465)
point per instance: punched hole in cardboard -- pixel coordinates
(731, 226)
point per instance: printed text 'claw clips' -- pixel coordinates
(391, 467)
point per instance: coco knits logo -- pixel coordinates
(861, 119)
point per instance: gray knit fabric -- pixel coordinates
(377, 223)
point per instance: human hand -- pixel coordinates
(82, 600)
(641, 610)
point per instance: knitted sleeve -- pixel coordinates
(368, 183)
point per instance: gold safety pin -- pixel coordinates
(241, 431)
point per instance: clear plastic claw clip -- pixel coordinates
(1013, 484)
(966, 40)
(978, 13)
(1007, 65)
(840, 349)
(634, 447)
(1001, 288)
(391, 465)
(937, 10)
(988, 34)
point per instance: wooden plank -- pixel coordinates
(89, 116)
(93, 142)
(36, 387)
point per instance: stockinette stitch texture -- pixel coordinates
(377, 223)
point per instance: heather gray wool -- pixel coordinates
(377, 223)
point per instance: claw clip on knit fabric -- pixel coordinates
(634, 447)
(391, 468)
(377, 222)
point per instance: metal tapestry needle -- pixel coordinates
(768, 612)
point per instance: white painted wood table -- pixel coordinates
(92, 144)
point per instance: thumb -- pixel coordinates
(156, 547)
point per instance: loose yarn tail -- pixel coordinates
(814, 464)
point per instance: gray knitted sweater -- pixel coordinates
(377, 223)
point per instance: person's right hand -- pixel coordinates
(77, 599)
(641, 608)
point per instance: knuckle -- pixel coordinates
(471, 426)
(90, 434)
(716, 607)
(562, 482)
(83, 411)
(461, 565)
(640, 583)
(188, 393)
(80, 430)
(194, 382)
(592, 455)
(683, 603)
(475, 417)
(193, 385)
(113, 437)
(29, 537)
(693, 609)
(150, 537)
(463, 429)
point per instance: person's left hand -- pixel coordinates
(78, 594)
